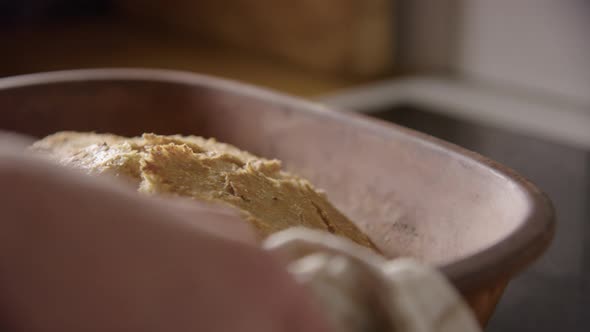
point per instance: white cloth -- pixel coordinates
(363, 292)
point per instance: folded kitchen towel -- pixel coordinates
(362, 291)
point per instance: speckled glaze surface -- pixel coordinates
(478, 221)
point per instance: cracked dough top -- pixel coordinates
(204, 169)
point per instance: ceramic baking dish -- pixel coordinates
(478, 221)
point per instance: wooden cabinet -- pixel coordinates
(347, 37)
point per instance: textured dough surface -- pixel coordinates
(205, 169)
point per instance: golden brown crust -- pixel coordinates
(206, 170)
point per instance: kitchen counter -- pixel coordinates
(553, 294)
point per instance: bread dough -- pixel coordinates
(205, 169)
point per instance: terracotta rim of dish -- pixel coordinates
(501, 260)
